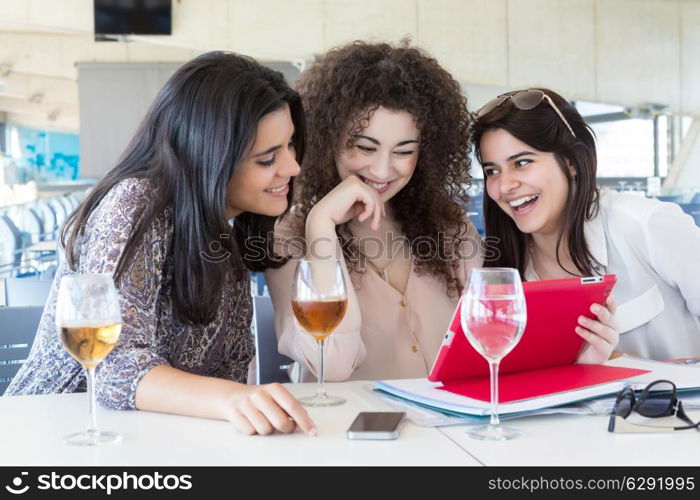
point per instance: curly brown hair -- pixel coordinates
(341, 91)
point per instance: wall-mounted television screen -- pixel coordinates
(133, 17)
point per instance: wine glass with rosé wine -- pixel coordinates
(319, 303)
(493, 317)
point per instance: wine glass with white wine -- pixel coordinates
(89, 322)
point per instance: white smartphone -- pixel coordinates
(376, 425)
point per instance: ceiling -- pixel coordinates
(628, 52)
(42, 41)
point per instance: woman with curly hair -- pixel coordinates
(383, 187)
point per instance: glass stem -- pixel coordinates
(92, 423)
(321, 390)
(493, 369)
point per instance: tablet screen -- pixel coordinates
(549, 339)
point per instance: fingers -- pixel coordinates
(356, 210)
(378, 214)
(373, 207)
(241, 423)
(600, 328)
(601, 334)
(256, 419)
(366, 212)
(269, 408)
(610, 303)
(598, 342)
(293, 409)
(349, 199)
(596, 350)
(606, 315)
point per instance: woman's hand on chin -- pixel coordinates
(349, 199)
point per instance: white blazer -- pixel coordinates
(654, 249)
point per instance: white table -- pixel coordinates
(558, 439)
(32, 427)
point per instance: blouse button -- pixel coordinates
(404, 302)
(414, 348)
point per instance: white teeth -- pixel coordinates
(524, 199)
(277, 190)
(375, 185)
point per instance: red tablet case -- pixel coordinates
(543, 362)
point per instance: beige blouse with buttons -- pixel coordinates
(400, 334)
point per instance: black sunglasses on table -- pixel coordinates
(658, 399)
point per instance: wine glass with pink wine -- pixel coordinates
(493, 318)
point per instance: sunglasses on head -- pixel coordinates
(658, 399)
(523, 100)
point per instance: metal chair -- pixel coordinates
(35, 225)
(11, 243)
(692, 209)
(258, 283)
(673, 198)
(19, 329)
(75, 198)
(21, 292)
(477, 219)
(271, 365)
(67, 204)
(475, 212)
(60, 211)
(39, 252)
(72, 201)
(48, 215)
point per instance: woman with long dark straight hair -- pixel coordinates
(551, 221)
(222, 140)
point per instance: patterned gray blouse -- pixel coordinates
(151, 335)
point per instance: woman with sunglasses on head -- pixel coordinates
(382, 186)
(220, 142)
(539, 161)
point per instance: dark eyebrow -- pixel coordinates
(518, 155)
(271, 149)
(370, 139)
(267, 151)
(375, 141)
(510, 158)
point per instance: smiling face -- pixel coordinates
(261, 182)
(527, 184)
(385, 154)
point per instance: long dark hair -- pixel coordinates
(542, 129)
(191, 141)
(345, 87)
